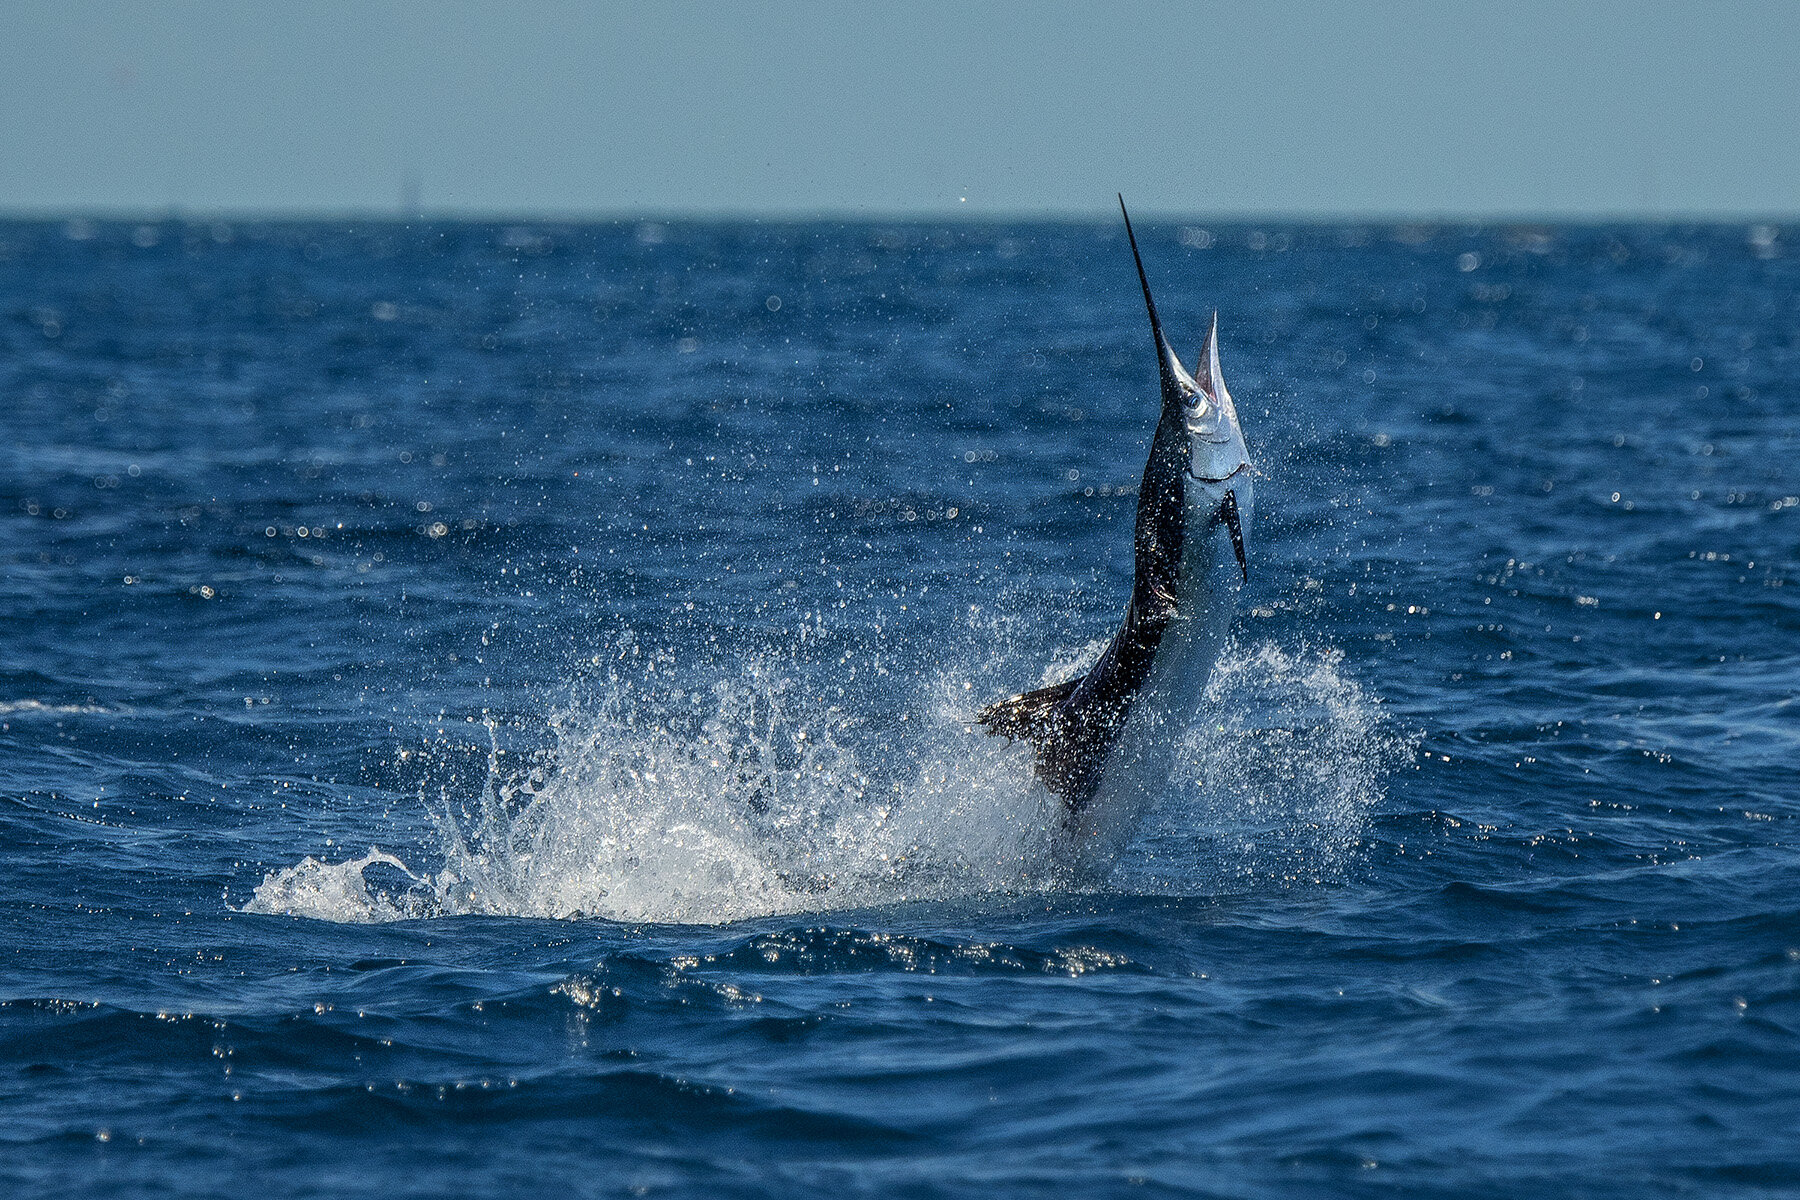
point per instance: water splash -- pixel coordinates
(752, 795)
(1276, 779)
(339, 892)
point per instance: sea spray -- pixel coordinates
(676, 800)
(342, 892)
(1276, 779)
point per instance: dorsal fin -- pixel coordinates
(1067, 746)
(1028, 715)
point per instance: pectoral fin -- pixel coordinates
(1228, 513)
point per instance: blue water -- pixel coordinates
(486, 709)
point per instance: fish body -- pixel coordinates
(1104, 741)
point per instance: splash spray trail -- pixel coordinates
(739, 800)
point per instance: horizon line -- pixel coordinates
(476, 215)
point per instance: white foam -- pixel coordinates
(12, 707)
(750, 797)
(1278, 775)
(334, 892)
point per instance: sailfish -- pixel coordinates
(1104, 741)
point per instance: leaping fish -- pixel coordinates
(1104, 741)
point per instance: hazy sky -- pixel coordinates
(1280, 106)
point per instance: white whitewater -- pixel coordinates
(772, 806)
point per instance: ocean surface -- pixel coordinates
(485, 710)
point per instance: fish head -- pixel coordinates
(1199, 402)
(1215, 440)
(1199, 427)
